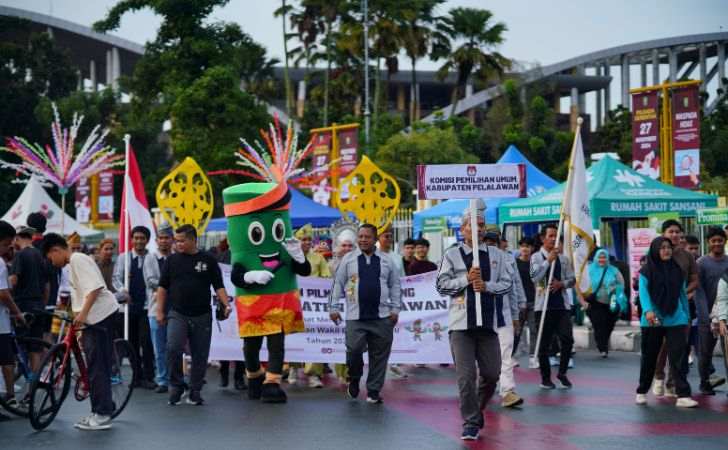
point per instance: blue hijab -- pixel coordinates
(596, 271)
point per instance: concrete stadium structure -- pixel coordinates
(600, 79)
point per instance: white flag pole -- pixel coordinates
(558, 234)
(474, 209)
(125, 232)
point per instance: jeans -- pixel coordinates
(468, 348)
(159, 341)
(197, 331)
(374, 336)
(97, 342)
(556, 324)
(675, 340)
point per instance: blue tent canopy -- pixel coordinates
(536, 182)
(303, 211)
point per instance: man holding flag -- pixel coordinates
(553, 272)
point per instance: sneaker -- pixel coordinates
(641, 399)
(658, 387)
(240, 385)
(511, 400)
(716, 381)
(396, 372)
(175, 396)
(470, 434)
(554, 361)
(533, 362)
(547, 384)
(292, 375)
(564, 380)
(314, 381)
(94, 422)
(670, 392)
(162, 389)
(604, 355)
(571, 363)
(706, 389)
(686, 402)
(195, 398)
(374, 398)
(352, 389)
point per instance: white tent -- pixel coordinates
(34, 198)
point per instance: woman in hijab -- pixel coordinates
(607, 299)
(665, 316)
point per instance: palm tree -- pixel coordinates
(282, 12)
(420, 36)
(479, 35)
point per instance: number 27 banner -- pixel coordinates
(645, 134)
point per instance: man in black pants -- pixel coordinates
(555, 301)
(186, 279)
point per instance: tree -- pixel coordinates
(474, 28)
(615, 135)
(714, 142)
(426, 144)
(210, 117)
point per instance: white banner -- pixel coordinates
(420, 337)
(446, 181)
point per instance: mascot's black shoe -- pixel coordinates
(255, 386)
(272, 393)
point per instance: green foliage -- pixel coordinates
(615, 135)
(714, 143)
(426, 144)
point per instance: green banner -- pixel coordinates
(713, 216)
(656, 220)
(434, 224)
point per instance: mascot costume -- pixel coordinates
(265, 258)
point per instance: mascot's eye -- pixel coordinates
(256, 233)
(279, 230)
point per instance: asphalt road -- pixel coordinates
(418, 413)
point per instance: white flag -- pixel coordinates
(579, 239)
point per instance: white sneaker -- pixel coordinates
(314, 381)
(686, 402)
(94, 422)
(533, 362)
(292, 375)
(641, 399)
(658, 387)
(670, 392)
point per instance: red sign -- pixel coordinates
(83, 201)
(321, 153)
(106, 197)
(686, 136)
(645, 134)
(348, 143)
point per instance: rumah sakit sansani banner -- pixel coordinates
(420, 336)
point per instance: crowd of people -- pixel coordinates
(495, 308)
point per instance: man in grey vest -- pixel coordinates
(473, 336)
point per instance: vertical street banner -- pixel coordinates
(645, 134)
(639, 240)
(348, 143)
(82, 201)
(686, 136)
(321, 153)
(106, 197)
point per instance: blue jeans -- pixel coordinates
(159, 341)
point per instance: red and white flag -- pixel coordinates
(134, 206)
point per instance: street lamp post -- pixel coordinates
(367, 113)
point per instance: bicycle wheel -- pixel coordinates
(18, 404)
(123, 375)
(50, 388)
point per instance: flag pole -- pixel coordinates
(474, 208)
(579, 121)
(125, 231)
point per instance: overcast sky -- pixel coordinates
(538, 31)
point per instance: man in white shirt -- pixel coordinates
(92, 304)
(8, 308)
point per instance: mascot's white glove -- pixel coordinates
(293, 247)
(258, 277)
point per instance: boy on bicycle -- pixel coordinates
(92, 304)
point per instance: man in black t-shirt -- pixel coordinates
(30, 287)
(185, 283)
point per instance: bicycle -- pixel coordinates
(49, 390)
(23, 375)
